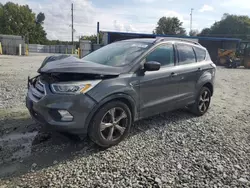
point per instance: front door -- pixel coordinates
(159, 89)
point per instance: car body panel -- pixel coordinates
(119, 87)
(188, 76)
(71, 64)
(158, 91)
(77, 105)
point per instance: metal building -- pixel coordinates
(211, 43)
(10, 44)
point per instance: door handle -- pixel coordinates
(199, 69)
(173, 74)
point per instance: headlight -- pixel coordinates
(67, 88)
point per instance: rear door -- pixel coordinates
(188, 69)
(201, 60)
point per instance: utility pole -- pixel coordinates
(72, 24)
(191, 19)
(98, 37)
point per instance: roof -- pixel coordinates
(188, 37)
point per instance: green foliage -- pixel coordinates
(93, 38)
(205, 32)
(20, 20)
(40, 18)
(1, 16)
(229, 26)
(193, 33)
(169, 26)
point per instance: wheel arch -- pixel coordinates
(125, 98)
(206, 80)
(210, 86)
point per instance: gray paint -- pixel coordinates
(147, 93)
(70, 64)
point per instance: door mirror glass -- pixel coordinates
(152, 66)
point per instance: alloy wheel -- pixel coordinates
(113, 124)
(204, 101)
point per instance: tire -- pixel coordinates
(197, 108)
(100, 133)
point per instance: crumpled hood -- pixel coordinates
(71, 64)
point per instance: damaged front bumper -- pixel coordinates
(46, 108)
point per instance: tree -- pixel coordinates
(230, 26)
(194, 33)
(93, 38)
(205, 32)
(40, 18)
(169, 26)
(20, 20)
(1, 16)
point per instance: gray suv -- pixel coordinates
(103, 93)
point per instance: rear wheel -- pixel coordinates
(202, 102)
(111, 124)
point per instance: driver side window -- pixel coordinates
(163, 54)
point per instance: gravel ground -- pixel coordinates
(173, 149)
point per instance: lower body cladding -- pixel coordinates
(63, 113)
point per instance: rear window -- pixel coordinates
(200, 54)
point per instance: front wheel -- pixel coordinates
(111, 124)
(202, 102)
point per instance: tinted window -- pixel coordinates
(118, 53)
(200, 54)
(186, 54)
(163, 54)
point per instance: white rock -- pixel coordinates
(158, 180)
(34, 165)
(179, 166)
(243, 180)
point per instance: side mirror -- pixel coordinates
(152, 66)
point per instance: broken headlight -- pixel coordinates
(74, 88)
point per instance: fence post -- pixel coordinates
(20, 49)
(79, 53)
(1, 50)
(27, 50)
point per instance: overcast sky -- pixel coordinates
(128, 15)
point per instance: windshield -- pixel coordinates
(118, 53)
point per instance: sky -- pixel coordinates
(128, 15)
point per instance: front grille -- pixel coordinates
(38, 90)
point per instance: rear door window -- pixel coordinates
(186, 54)
(200, 54)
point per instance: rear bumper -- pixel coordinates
(45, 111)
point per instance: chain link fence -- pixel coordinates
(60, 49)
(11, 45)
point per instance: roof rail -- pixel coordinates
(177, 39)
(159, 40)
